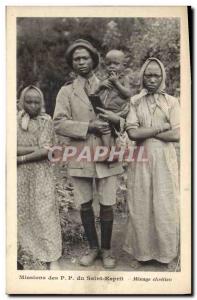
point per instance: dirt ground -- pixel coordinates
(124, 261)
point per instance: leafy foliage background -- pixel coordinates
(41, 47)
(42, 43)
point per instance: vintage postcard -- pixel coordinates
(98, 150)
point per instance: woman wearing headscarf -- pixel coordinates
(153, 122)
(38, 227)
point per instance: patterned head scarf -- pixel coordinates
(163, 84)
(23, 115)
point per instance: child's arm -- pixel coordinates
(124, 90)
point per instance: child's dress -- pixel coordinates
(39, 232)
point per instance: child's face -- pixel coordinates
(32, 103)
(114, 63)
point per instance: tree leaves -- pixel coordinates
(42, 43)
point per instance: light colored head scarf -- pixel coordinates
(24, 117)
(161, 89)
(144, 91)
(162, 86)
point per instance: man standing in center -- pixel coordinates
(75, 118)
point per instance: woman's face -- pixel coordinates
(152, 77)
(32, 103)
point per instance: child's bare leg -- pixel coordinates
(106, 142)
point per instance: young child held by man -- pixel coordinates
(114, 91)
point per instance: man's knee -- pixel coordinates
(106, 212)
(86, 206)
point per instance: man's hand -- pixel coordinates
(99, 127)
(109, 116)
(106, 84)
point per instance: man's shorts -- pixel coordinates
(86, 188)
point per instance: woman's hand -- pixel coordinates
(166, 126)
(109, 116)
(163, 127)
(172, 135)
(20, 159)
(23, 150)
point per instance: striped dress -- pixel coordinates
(153, 225)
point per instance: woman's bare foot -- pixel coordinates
(174, 266)
(54, 265)
(135, 264)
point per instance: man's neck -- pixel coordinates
(87, 76)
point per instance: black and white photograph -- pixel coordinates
(98, 165)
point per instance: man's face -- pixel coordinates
(82, 61)
(152, 77)
(32, 103)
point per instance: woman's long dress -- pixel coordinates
(153, 224)
(39, 232)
